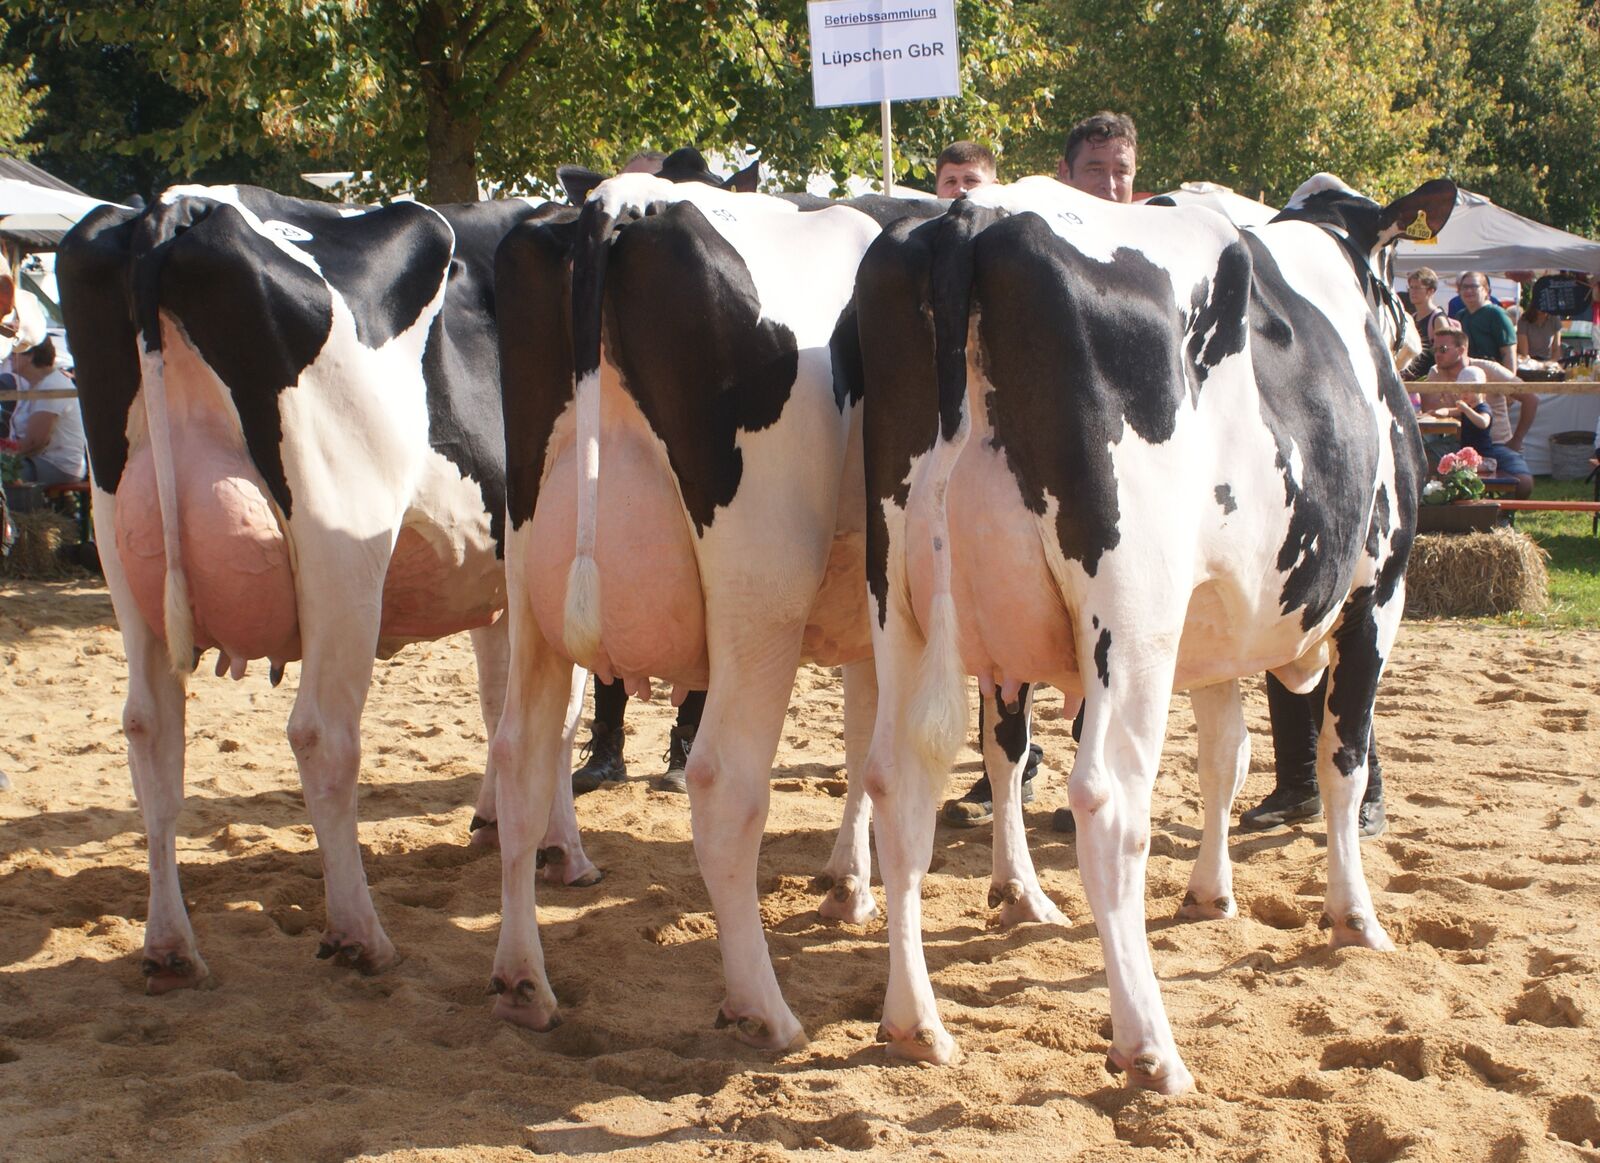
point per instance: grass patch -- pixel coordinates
(1574, 558)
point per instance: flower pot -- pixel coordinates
(1458, 517)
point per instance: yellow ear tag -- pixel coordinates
(1418, 231)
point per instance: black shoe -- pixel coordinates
(678, 745)
(1283, 806)
(604, 759)
(977, 806)
(1372, 820)
(1063, 821)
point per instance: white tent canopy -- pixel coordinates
(1481, 236)
(25, 206)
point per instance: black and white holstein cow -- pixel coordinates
(293, 421)
(685, 500)
(1136, 451)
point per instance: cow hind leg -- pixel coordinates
(1014, 885)
(561, 849)
(325, 735)
(905, 799)
(1224, 761)
(847, 877)
(527, 754)
(729, 777)
(1112, 778)
(153, 721)
(489, 647)
(1360, 647)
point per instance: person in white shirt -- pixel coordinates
(49, 432)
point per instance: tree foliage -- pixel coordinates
(19, 100)
(1504, 95)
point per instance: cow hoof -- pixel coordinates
(558, 868)
(1020, 905)
(1148, 1071)
(929, 1044)
(483, 833)
(849, 902)
(358, 955)
(526, 1003)
(165, 972)
(756, 1031)
(1194, 909)
(1358, 930)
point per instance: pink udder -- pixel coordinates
(235, 557)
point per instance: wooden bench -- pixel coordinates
(1530, 506)
(79, 491)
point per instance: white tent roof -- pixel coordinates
(25, 206)
(1238, 209)
(1481, 236)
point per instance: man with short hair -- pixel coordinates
(963, 166)
(1452, 364)
(1101, 157)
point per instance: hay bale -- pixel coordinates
(1468, 575)
(38, 551)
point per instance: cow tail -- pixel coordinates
(581, 615)
(937, 712)
(177, 615)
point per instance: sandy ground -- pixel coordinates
(1478, 1039)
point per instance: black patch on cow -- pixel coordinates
(257, 318)
(1311, 402)
(385, 264)
(1102, 657)
(1217, 326)
(1378, 527)
(844, 353)
(461, 364)
(1078, 350)
(92, 272)
(1011, 727)
(1353, 683)
(683, 325)
(1224, 496)
(900, 411)
(1095, 621)
(534, 309)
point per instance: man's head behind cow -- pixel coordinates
(1101, 156)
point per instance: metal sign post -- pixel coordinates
(866, 51)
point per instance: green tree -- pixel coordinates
(1531, 71)
(1256, 95)
(19, 100)
(453, 91)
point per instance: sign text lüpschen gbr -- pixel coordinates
(865, 50)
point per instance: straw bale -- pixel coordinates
(37, 552)
(1465, 575)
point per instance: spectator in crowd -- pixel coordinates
(963, 166)
(1539, 336)
(1101, 157)
(1490, 332)
(1452, 365)
(49, 432)
(1421, 286)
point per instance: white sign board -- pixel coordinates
(866, 51)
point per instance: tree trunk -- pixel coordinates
(452, 153)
